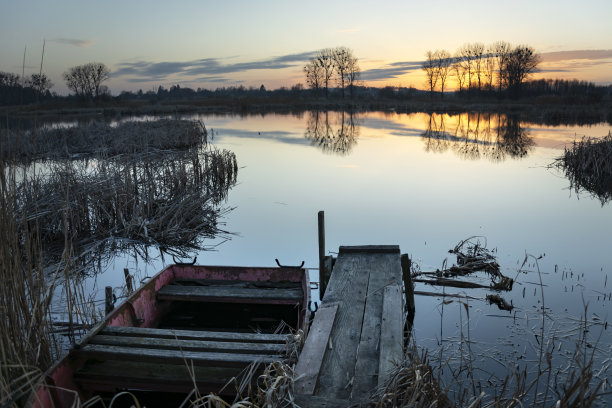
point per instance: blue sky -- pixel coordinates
(210, 43)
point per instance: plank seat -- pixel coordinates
(203, 335)
(228, 293)
(171, 356)
(110, 375)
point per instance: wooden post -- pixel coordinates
(128, 281)
(406, 263)
(322, 282)
(109, 306)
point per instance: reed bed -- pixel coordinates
(101, 139)
(588, 166)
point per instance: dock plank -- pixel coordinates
(391, 342)
(350, 370)
(171, 356)
(196, 334)
(311, 358)
(191, 345)
(229, 294)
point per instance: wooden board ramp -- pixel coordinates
(357, 335)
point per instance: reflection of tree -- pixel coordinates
(477, 135)
(333, 132)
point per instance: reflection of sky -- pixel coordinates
(389, 190)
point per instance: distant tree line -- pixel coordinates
(499, 68)
(332, 65)
(15, 89)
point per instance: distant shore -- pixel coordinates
(549, 112)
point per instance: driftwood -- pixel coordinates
(500, 302)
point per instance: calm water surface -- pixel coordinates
(425, 183)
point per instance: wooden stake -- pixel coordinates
(406, 262)
(322, 280)
(128, 281)
(109, 305)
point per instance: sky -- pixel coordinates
(211, 44)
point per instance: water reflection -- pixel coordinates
(332, 132)
(478, 135)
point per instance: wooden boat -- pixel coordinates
(215, 319)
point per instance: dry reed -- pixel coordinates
(588, 166)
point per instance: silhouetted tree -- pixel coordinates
(444, 62)
(459, 71)
(325, 59)
(430, 67)
(501, 51)
(314, 75)
(40, 83)
(86, 80)
(521, 62)
(352, 73)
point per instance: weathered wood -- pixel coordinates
(369, 249)
(196, 335)
(238, 283)
(410, 306)
(171, 356)
(311, 358)
(391, 329)
(112, 374)
(193, 345)
(349, 286)
(453, 283)
(128, 280)
(109, 303)
(366, 366)
(323, 278)
(325, 275)
(229, 294)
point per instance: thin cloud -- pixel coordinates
(576, 55)
(348, 30)
(74, 41)
(391, 71)
(207, 67)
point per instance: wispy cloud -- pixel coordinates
(576, 55)
(211, 68)
(390, 71)
(74, 41)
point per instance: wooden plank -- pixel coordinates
(391, 332)
(196, 334)
(229, 294)
(171, 356)
(238, 283)
(347, 287)
(370, 249)
(112, 374)
(192, 345)
(380, 267)
(311, 358)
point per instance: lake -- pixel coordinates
(426, 182)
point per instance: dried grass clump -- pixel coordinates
(588, 166)
(98, 138)
(412, 384)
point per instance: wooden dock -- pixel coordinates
(357, 334)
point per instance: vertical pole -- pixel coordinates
(406, 263)
(128, 281)
(322, 282)
(109, 306)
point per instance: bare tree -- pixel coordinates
(325, 60)
(465, 55)
(489, 68)
(314, 75)
(521, 62)
(444, 62)
(40, 83)
(430, 67)
(342, 60)
(459, 72)
(477, 53)
(86, 80)
(352, 74)
(501, 50)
